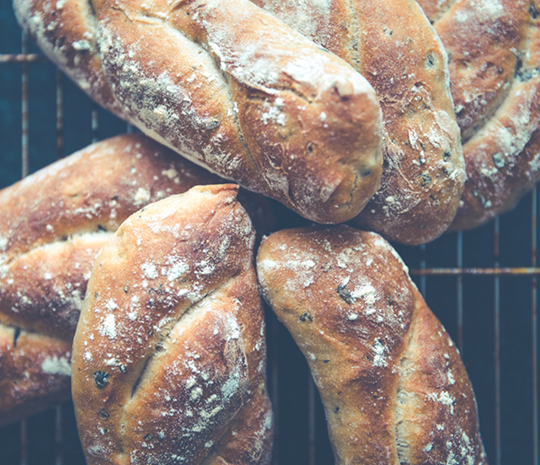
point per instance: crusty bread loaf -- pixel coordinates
(495, 78)
(228, 86)
(169, 353)
(395, 47)
(391, 380)
(52, 225)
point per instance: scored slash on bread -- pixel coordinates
(52, 225)
(169, 353)
(228, 86)
(392, 383)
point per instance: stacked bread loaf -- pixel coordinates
(169, 354)
(391, 115)
(391, 380)
(229, 87)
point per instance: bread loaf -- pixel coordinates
(495, 78)
(169, 353)
(52, 225)
(392, 383)
(395, 47)
(229, 87)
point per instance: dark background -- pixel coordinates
(497, 312)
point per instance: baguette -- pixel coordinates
(52, 225)
(495, 78)
(229, 87)
(395, 47)
(392, 383)
(169, 353)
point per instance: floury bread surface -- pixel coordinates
(395, 47)
(392, 383)
(228, 86)
(169, 353)
(494, 46)
(52, 225)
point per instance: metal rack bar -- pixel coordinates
(24, 441)
(59, 114)
(59, 155)
(311, 420)
(534, 322)
(496, 321)
(274, 331)
(22, 58)
(422, 250)
(476, 271)
(58, 435)
(24, 173)
(95, 122)
(24, 111)
(459, 291)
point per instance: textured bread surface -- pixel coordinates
(392, 383)
(52, 225)
(231, 88)
(494, 50)
(395, 47)
(169, 353)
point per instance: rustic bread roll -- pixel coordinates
(495, 78)
(391, 380)
(229, 87)
(395, 47)
(169, 353)
(52, 225)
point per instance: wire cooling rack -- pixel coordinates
(481, 284)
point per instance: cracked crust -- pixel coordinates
(495, 79)
(395, 47)
(244, 95)
(392, 383)
(169, 354)
(52, 226)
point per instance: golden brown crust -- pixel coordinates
(495, 78)
(392, 383)
(433, 374)
(395, 47)
(52, 225)
(75, 196)
(170, 346)
(43, 289)
(34, 373)
(231, 88)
